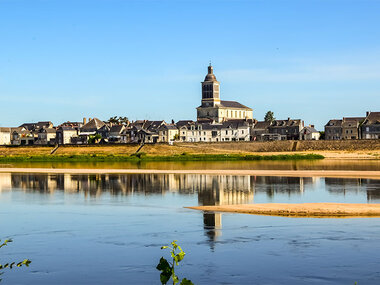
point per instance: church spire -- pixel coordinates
(210, 75)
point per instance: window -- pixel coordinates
(204, 133)
(242, 131)
(226, 132)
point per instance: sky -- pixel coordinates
(64, 60)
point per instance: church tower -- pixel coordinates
(210, 89)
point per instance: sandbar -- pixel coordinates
(305, 210)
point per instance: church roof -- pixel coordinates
(210, 75)
(233, 104)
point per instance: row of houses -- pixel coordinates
(146, 131)
(353, 128)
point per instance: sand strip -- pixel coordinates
(307, 210)
(285, 173)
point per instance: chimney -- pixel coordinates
(89, 119)
(312, 126)
(84, 121)
(367, 113)
(288, 119)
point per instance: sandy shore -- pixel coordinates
(286, 173)
(307, 210)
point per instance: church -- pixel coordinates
(215, 110)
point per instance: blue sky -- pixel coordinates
(65, 60)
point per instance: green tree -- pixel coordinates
(11, 265)
(118, 120)
(93, 138)
(168, 268)
(269, 117)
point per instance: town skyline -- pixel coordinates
(107, 58)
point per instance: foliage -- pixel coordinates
(94, 138)
(176, 137)
(168, 268)
(269, 117)
(118, 120)
(11, 265)
(322, 135)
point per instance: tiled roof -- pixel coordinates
(5, 130)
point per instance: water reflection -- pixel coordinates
(209, 189)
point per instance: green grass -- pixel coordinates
(144, 157)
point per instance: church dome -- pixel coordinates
(210, 75)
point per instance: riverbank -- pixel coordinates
(277, 150)
(306, 210)
(283, 173)
(145, 157)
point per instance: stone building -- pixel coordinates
(213, 109)
(371, 126)
(333, 130)
(351, 127)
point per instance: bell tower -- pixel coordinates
(210, 89)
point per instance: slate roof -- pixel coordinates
(233, 104)
(29, 126)
(372, 118)
(262, 125)
(43, 124)
(235, 124)
(309, 129)
(116, 129)
(169, 127)
(334, 123)
(94, 124)
(66, 128)
(285, 123)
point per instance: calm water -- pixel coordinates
(277, 165)
(108, 229)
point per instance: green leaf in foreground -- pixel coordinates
(168, 268)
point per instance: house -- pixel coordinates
(212, 109)
(351, 127)
(260, 131)
(115, 133)
(309, 133)
(238, 130)
(168, 133)
(198, 132)
(92, 128)
(21, 136)
(46, 136)
(334, 130)
(5, 136)
(370, 128)
(286, 129)
(65, 134)
(235, 130)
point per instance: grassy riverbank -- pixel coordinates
(145, 157)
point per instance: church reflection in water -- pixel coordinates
(210, 189)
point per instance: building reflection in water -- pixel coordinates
(211, 189)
